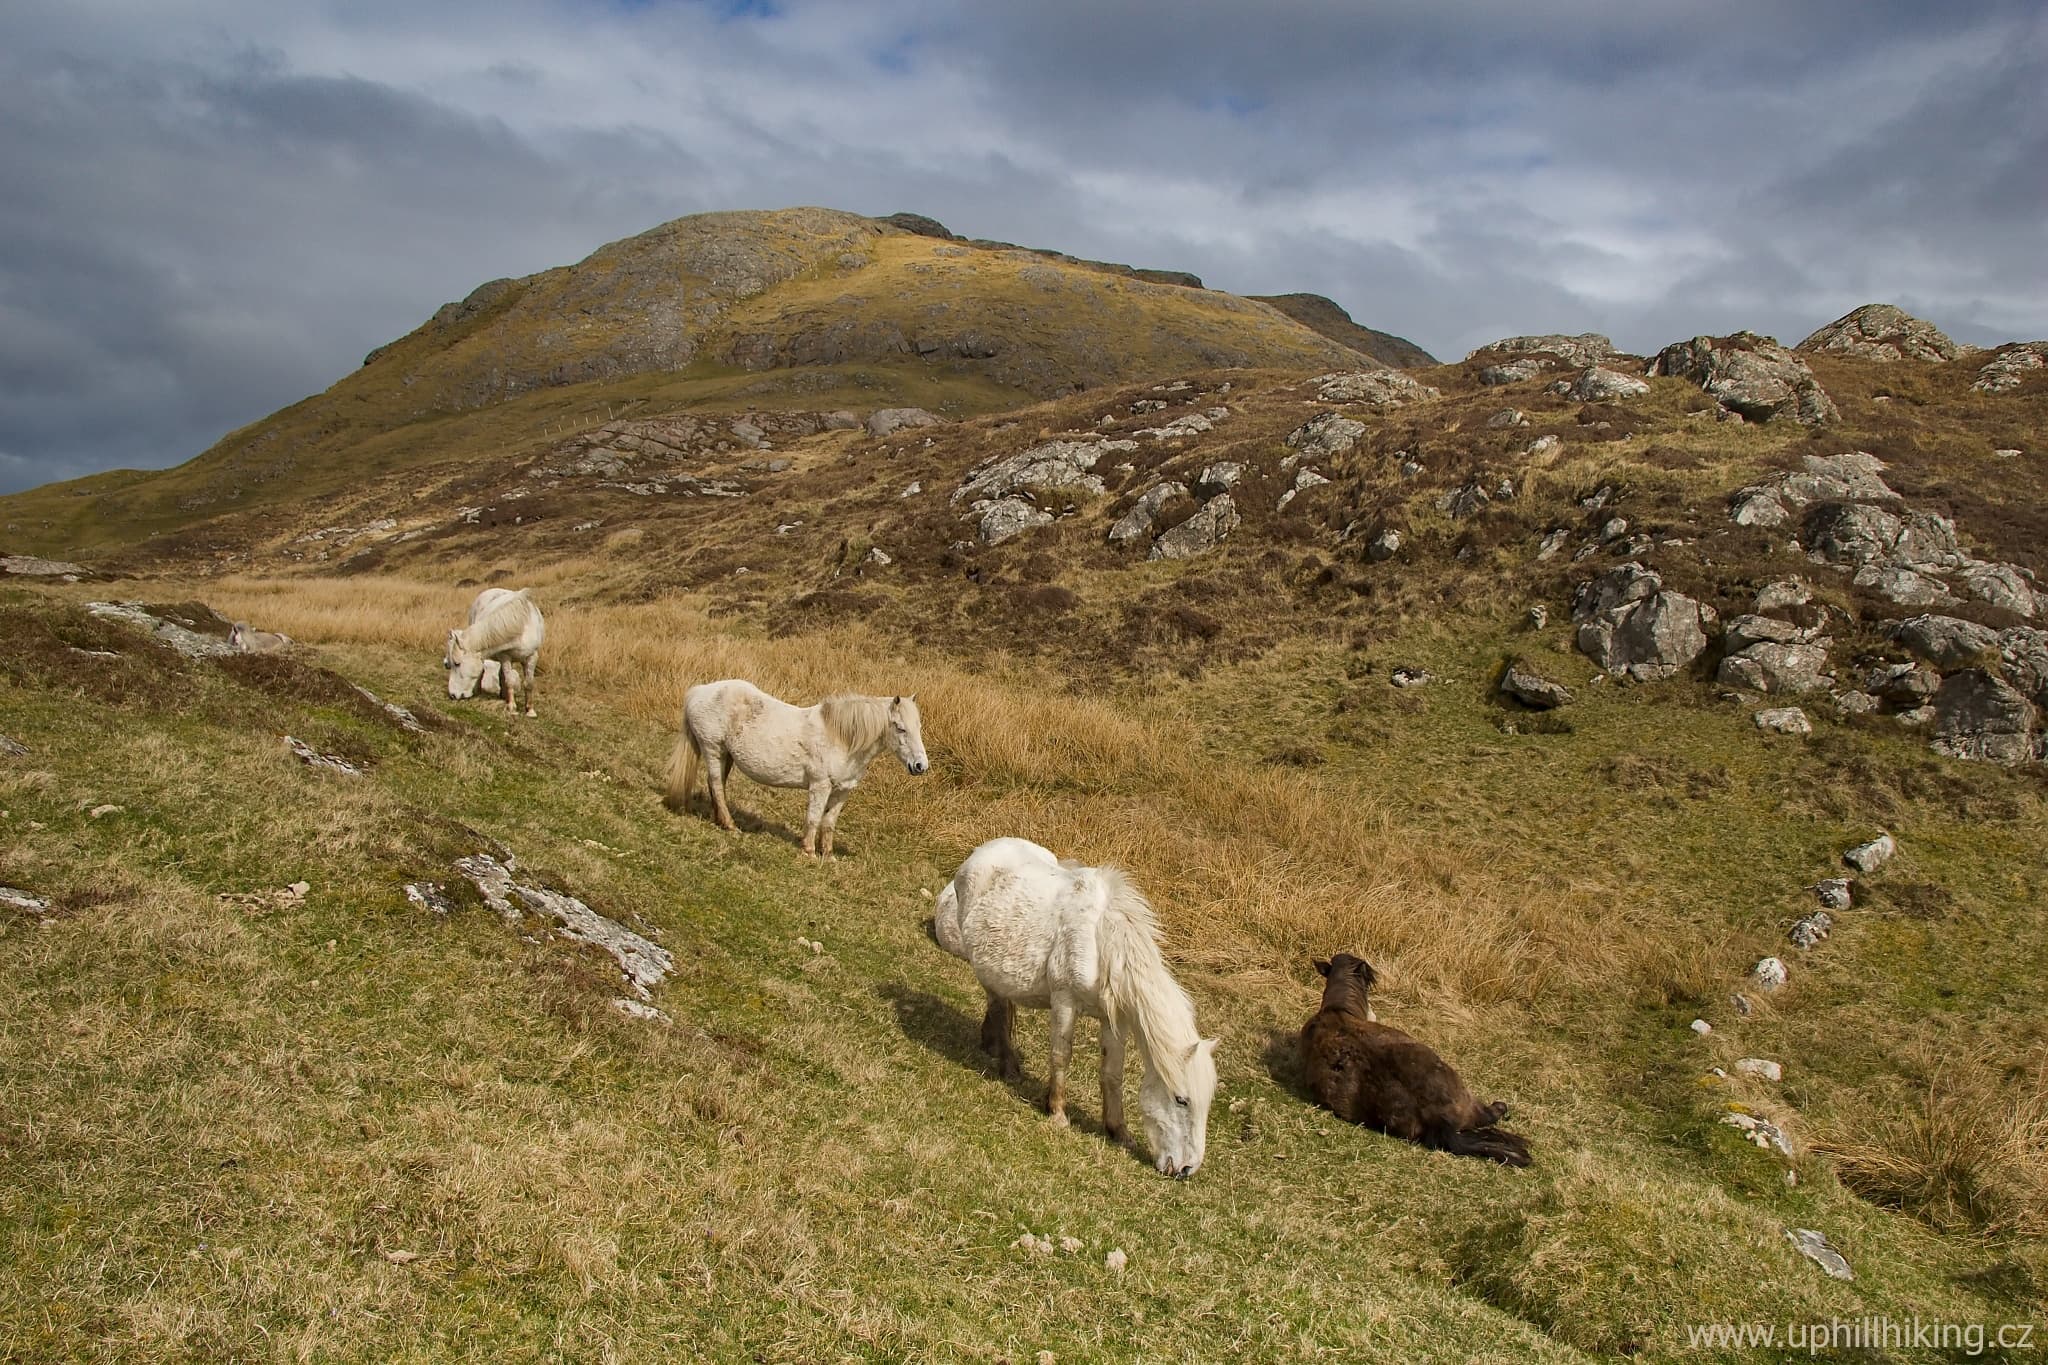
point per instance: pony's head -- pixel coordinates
(464, 667)
(1346, 977)
(235, 635)
(906, 732)
(1176, 1114)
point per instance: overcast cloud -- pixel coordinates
(214, 208)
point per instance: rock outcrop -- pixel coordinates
(1750, 375)
(1878, 331)
(1978, 715)
(2012, 366)
(1597, 384)
(1584, 350)
(1629, 624)
(1373, 388)
(1137, 523)
(1205, 530)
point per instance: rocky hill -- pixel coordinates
(1315, 311)
(804, 307)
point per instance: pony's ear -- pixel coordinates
(896, 701)
(1207, 1047)
(1322, 967)
(1367, 974)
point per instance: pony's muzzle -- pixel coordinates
(918, 769)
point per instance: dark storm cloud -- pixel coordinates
(216, 208)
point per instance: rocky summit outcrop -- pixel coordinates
(1878, 331)
(1597, 384)
(1582, 351)
(1322, 315)
(1373, 388)
(1631, 625)
(2011, 366)
(1750, 375)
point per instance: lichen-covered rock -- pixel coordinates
(1783, 720)
(1532, 689)
(1878, 331)
(1585, 349)
(1979, 716)
(1872, 854)
(644, 964)
(1374, 388)
(1947, 642)
(1515, 371)
(889, 421)
(1326, 433)
(1002, 518)
(1745, 631)
(1138, 522)
(1865, 536)
(1507, 417)
(1779, 669)
(1384, 546)
(1205, 530)
(1628, 624)
(1786, 592)
(2000, 585)
(1752, 375)
(2023, 652)
(1220, 477)
(1832, 893)
(1055, 464)
(2011, 366)
(1757, 507)
(29, 566)
(1597, 384)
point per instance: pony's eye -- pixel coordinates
(1181, 1100)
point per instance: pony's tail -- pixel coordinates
(1493, 1144)
(946, 922)
(683, 762)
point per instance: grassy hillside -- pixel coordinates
(355, 1129)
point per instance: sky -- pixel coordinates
(212, 208)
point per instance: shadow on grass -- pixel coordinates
(1281, 1057)
(933, 1023)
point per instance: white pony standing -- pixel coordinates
(824, 749)
(1052, 934)
(505, 629)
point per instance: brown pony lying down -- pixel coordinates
(1378, 1076)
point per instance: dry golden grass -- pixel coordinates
(1968, 1153)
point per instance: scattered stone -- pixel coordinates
(1411, 469)
(100, 812)
(1006, 517)
(189, 643)
(1205, 530)
(1814, 1247)
(1532, 689)
(1775, 668)
(1869, 857)
(912, 489)
(1614, 528)
(2010, 366)
(889, 421)
(313, 758)
(1702, 1027)
(430, 896)
(1916, 718)
(1384, 546)
(12, 748)
(1411, 677)
(1757, 507)
(1034, 1244)
(1303, 481)
(1220, 477)
(1751, 375)
(1116, 1260)
(636, 1010)
(1811, 929)
(2002, 586)
(1769, 973)
(1326, 433)
(2007, 454)
(29, 566)
(1878, 331)
(1762, 1132)
(1760, 1068)
(14, 898)
(1544, 445)
(1539, 616)
(1599, 385)
(1463, 501)
(1552, 542)
(1832, 892)
(1783, 720)
(1508, 417)
(876, 555)
(1374, 388)
(407, 721)
(644, 963)
(1742, 1005)
(1144, 514)
(1786, 592)
(1191, 424)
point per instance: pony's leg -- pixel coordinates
(1062, 1052)
(831, 825)
(814, 817)
(995, 1036)
(506, 673)
(529, 688)
(716, 768)
(1113, 1083)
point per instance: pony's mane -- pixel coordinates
(1144, 1001)
(501, 625)
(856, 723)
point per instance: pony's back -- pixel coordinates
(507, 623)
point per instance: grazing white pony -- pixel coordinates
(1049, 933)
(488, 683)
(246, 639)
(504, 628)
(824, 749)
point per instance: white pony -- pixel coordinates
(824, 749)
(1050, 933)
(504, 628)
(489, 682)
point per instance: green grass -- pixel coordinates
(225, 1126)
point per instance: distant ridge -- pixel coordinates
(1321, 314)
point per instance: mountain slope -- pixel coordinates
(1323, 315)
(716, 310)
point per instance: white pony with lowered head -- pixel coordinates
(825, 749)
(505, 629)
(1049, 933)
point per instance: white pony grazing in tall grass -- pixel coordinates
(824, 749)
(506, 629)
(246, 639)
(1049, 933)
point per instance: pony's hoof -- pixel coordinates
(1059, 1119)
(532, 714)
(1117, 1133)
